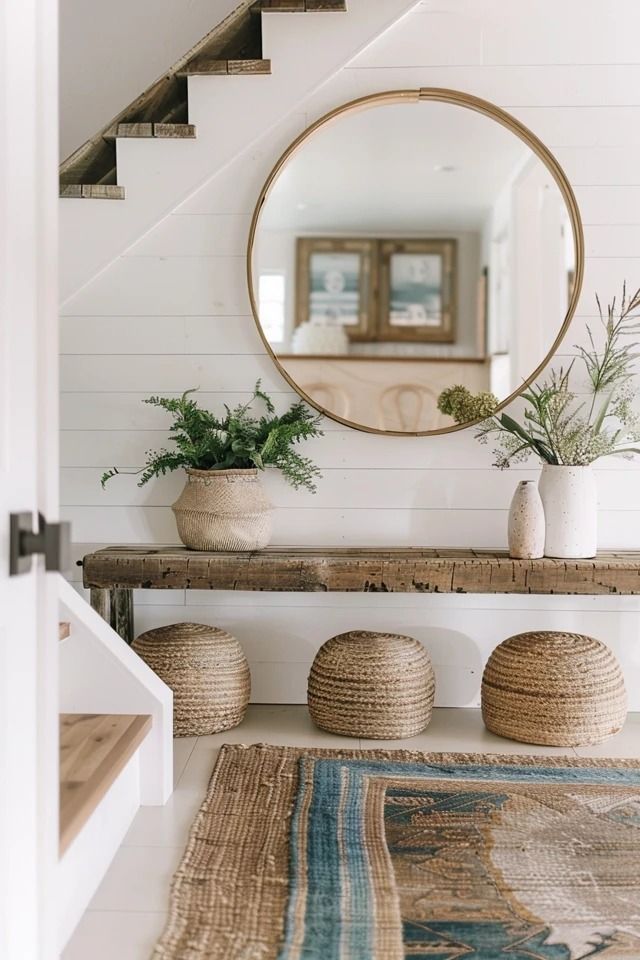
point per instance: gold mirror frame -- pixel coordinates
(441, 95)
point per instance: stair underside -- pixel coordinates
(94, 749)
(233, 48)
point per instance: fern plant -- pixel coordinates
(237, 441)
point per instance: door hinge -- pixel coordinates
(53, 540)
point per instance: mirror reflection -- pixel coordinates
(405, 247)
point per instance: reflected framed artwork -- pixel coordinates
(335, 284)
(417, 290)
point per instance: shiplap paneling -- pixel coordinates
(207, 234)
(536, 32)
(173, 313)
(172, 286)
(154, 373)
(346, 526)
(355, 489)
(155, 334)
(515, 86)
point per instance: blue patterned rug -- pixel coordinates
(401, 856)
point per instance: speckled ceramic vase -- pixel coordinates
(570, 501)
(526, 523)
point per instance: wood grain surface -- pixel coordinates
(94, 749)
(403, 570)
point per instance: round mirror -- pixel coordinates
(409, 242)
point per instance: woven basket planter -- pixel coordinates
(223, 510)
(207, 671)
(375, 685)
(556, 689)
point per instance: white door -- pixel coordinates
(28, 472)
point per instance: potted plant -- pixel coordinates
(568, 430)
(223, 505)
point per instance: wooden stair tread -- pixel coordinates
(298, 6)
(92, 191)
(207, 66)
(94, 749)
(64, 630)
(164, 131)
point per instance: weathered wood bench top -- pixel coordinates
(370, 569)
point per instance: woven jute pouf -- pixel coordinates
(557, 689)
(376, 685)
(207, 671)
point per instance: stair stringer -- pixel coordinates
(231, 113)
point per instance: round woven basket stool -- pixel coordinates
(376, 685)
(207, 671)
(557, 689)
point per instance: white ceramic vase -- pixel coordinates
(526, 523)
(570, 501)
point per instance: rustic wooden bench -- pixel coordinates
(113, 573)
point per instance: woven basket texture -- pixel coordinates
(556, 689)
(375, 685)
(207, 671)
(223, 510)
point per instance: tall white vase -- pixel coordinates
(526, 523)
(570, 501)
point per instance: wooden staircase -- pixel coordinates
(233, 48)
(94, 749)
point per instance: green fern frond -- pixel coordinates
(238, 440)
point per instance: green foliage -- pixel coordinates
(464, 406)
(559, 426)
(237, 441)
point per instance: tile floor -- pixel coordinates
(127, 913)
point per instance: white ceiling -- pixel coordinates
(377, 170)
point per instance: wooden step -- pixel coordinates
(298, 6)
(161, 131)
(208, 66)
(92, 191)
(94, 749)
(64, 631)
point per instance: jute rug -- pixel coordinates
(375, 855)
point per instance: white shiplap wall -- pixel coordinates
(174, 313)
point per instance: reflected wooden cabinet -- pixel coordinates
(360, 391)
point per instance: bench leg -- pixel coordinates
(99, 600)
(116, 607)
